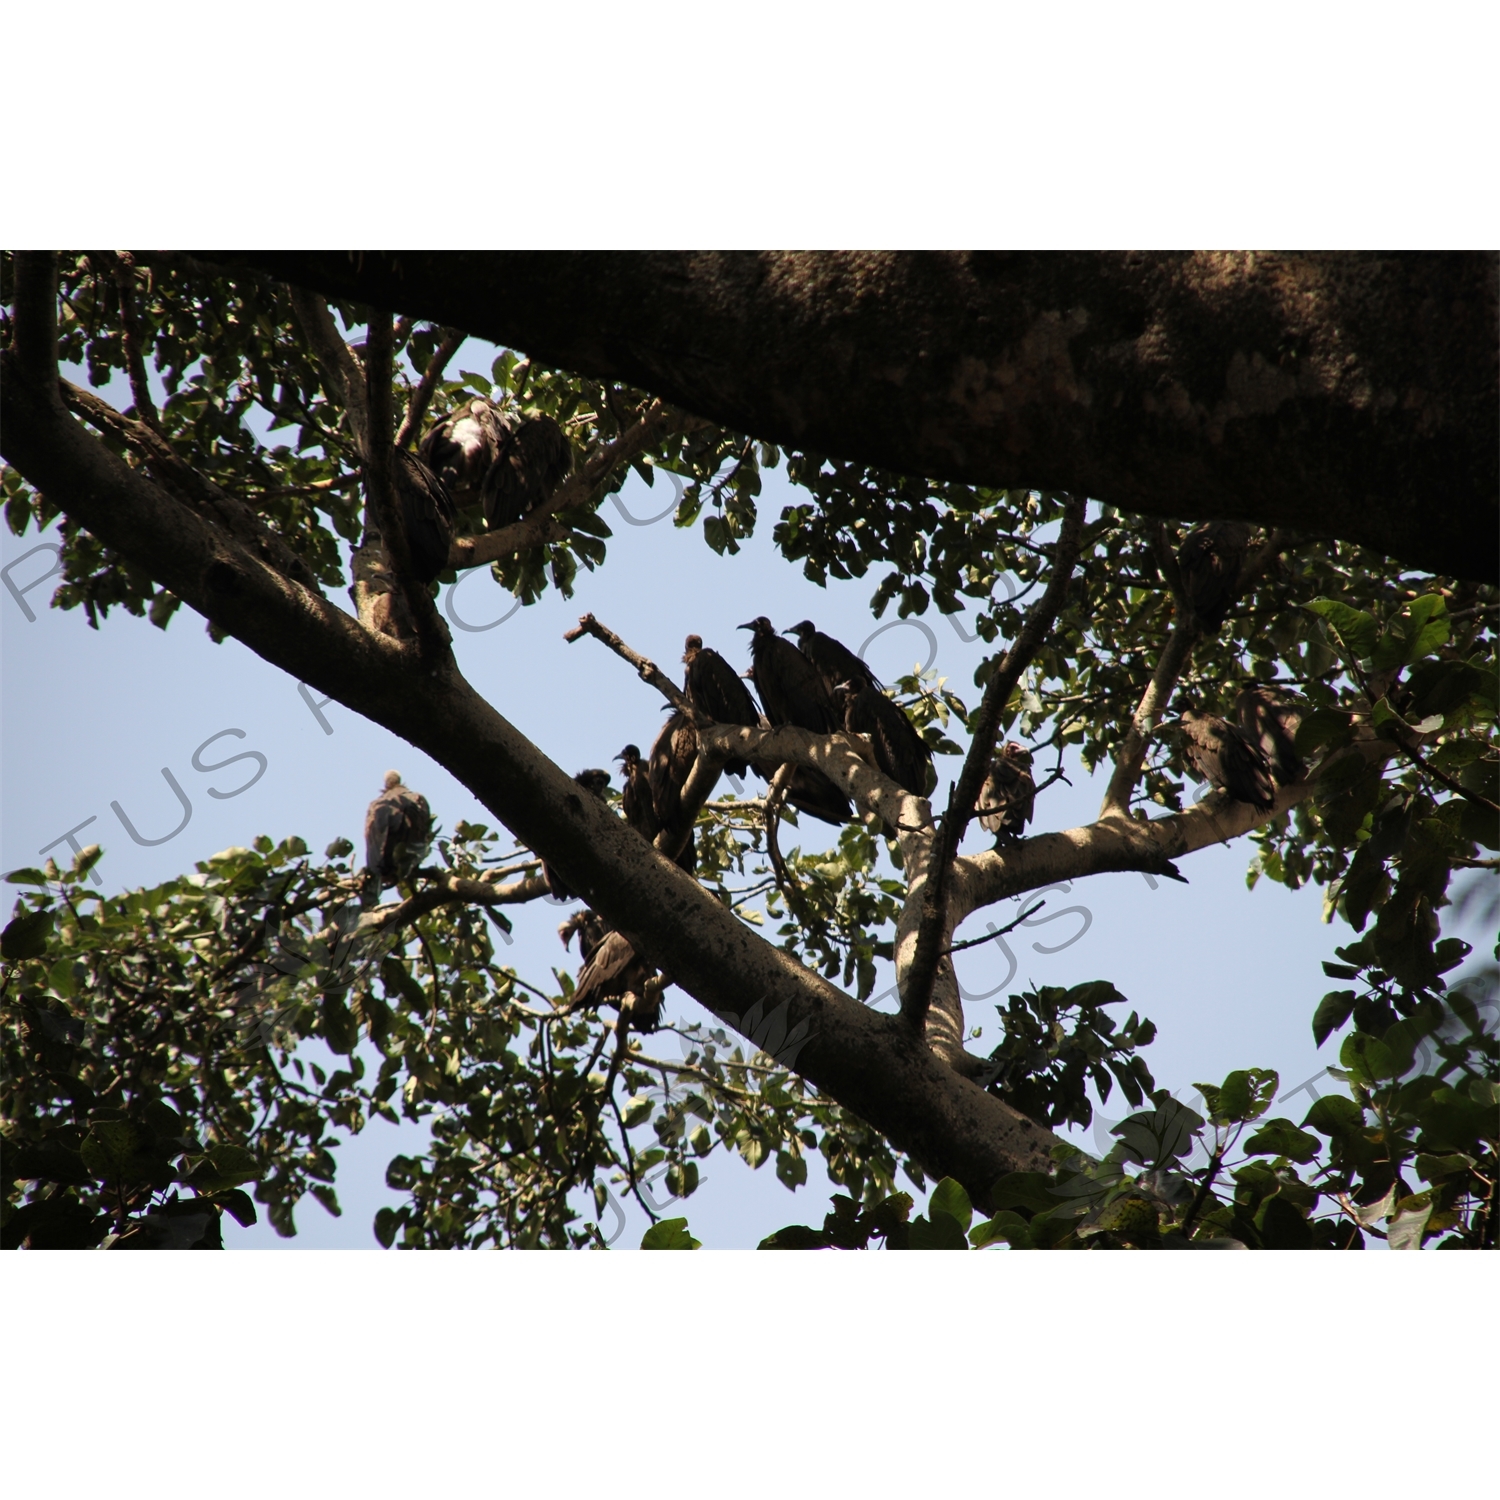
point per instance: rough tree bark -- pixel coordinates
(1345, 395)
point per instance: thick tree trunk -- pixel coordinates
(1345, 395)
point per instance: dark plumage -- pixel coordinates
(427, 514)
(810, 791)
(535, 460)
(1225, 757)
(398, 833)
(590, 927)
(593, 781)
(832, 658)
(462, 447)
(1008, 796)
(1270, 716)
(672, 757)
(1210, 560)
(716, 689)
(636, 801)
(790, 686)
(813, 793)
(615, 974)
(900, 751)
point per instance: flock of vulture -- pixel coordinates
(478, 456)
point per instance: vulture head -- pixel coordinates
(760, 627)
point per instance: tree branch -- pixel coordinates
(35, 337)
(432, 636)
(421, 396)
(1114, 843)
(343, 374)
(1143, 721)
(123, 267)
(647, 669)
(539, 527)
(931, 937)
(451, 890)
(1442, 777)
(195, 489)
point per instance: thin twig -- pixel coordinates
(123, 267)
(990, 937)
(421, 396)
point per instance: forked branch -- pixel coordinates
(916, 995)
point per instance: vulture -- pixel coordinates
(790, 686)
(1008, 795)
(461, 449)
(398, 833)
(811, 791)
(716, 689)
(592, 781)
(536, 459)
(590, 927)
(833, 659)
(427, 514)
(671, 764)
(900, 751)
(1270, 716)
(636, 801)
(1224, 756)
(1210, 560)
(614, 973)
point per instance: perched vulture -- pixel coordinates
(1210, 560)
(716, 689)
(790, 686)
(590, 927)
(591, 781)
(813, 793)
(671, 764)
(1270, 716)
(427, 514)
(461, 449)
(636, 801)
(833, 659)
(1008, 795)
(615, 974)
(398, 833)
(1225, 757)
(810, 791)
(900, 751)
(536, 459)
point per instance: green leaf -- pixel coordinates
(1409, 1221)
(1033, 1190)
(949, 1197)
(941, 1232)
(1355, 629)
(636, 1110)
(238, 1205)
(386, 1225)
(1368, 1058)
(669, 1234)
(1279, 1137)
(1282, 1227)
(793, 1237)
(1335, 1116)
(1333, 1010)
(27, 876)
(1245, 1094)
(225, 1166)
(1435, 1168)
(1006, 1227)
(26, 936)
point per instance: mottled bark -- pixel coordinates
(1349, 395)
